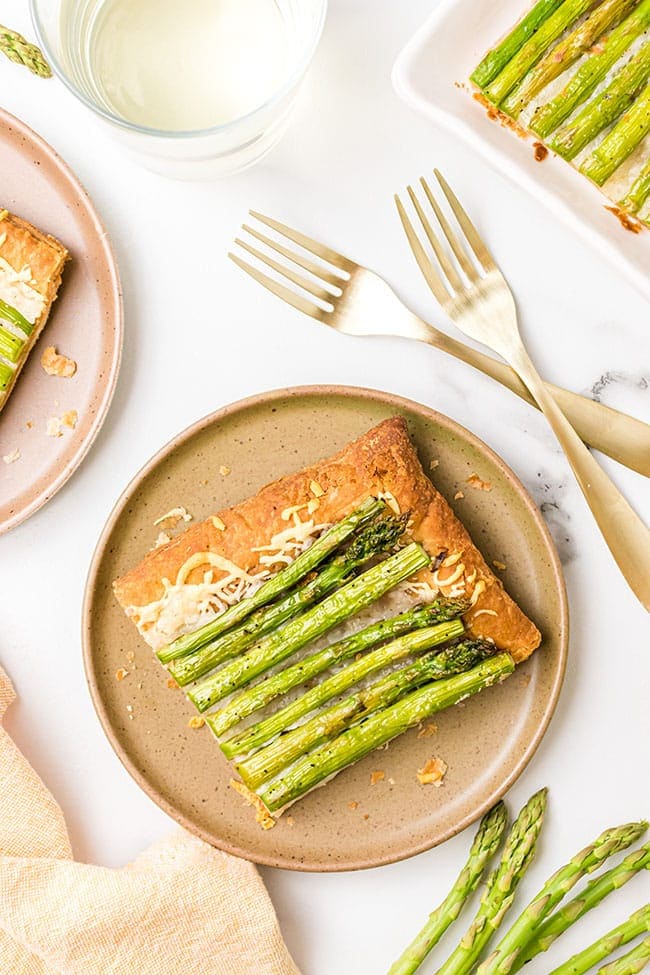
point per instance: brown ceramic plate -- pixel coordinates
(486, 742)
(86, 324)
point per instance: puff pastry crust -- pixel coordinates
(382, 461)
(24, 246)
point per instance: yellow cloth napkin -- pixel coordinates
(181, 908)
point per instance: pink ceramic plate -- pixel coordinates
(86, 324)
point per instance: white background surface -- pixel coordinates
(351, 145)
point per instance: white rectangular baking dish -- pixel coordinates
(431, 74)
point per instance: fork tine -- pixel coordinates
(300, 279)
(318, 270)
(291, 297)
(448, 268)
(326, 253)
(456, 247)
(425, 265)
(468, 228)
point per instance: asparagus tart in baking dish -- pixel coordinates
(576, 74)
(325, 615)
(31, 263)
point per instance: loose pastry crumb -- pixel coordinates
(29, 424)
(376, 777)
(501, 566)
(224, 471)
(121, 674)
(475, 481)
(432, 773)
(433, 464)
(174, 515)
(172, 683)
(130, 656)
(366, 816)
(56, 364)
(12, 457)
(353, 805)
(428, 730)
(459, 496)
(54, 424)
(162, 539)
(196, 722)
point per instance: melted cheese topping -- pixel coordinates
(185, 606)
(16, 291)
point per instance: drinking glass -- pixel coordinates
(65, 31)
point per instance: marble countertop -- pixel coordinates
(351, 144)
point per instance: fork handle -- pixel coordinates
(620, 436)
(626, 535)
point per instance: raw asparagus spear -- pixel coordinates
(496, 59)
(605, 108)
(259, 695)
(280, 582)
(584, 961)
(502, 884)
(638, 192)
(14, 316)
(586, 900)
(532, 50)
(503, 959)
(591, 72)
(391, 652)
(326, 724)
(379, 536)
(20, 51)
(618, 144)
(484, 846)
(326, 760)
(563, 54)
(635, 961)
(365, 589)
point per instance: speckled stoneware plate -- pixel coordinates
(486, 742)
(85, 324)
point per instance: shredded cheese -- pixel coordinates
(390, 500)
(184, 606)
(478, 589)
(484, 612)
(175, 515)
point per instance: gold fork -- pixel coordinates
(482, 306)
(355, 300)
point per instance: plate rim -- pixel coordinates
(499, 159)
(55, 484)
(269, 396)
